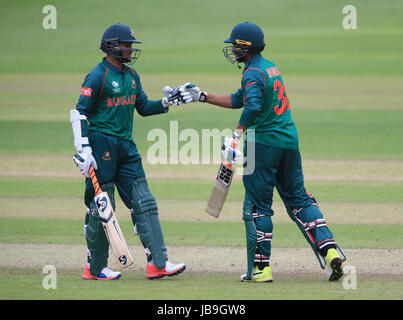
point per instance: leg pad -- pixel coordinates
(145, 211)
(97, 242)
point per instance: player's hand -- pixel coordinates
(84, 160)
(230, 149)
(192, 93)
(172, 97)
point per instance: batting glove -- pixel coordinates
(192, 93)
(230, 150)
(172, 97)
(84, 160)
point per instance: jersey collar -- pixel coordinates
(252, 60)
(109, 65)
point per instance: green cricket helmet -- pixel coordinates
(246, 37)
(116, 34)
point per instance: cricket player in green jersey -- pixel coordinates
(272, 135)
(102, 127)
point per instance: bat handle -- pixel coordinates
(94, 180)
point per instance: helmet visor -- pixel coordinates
(236, 52)
(124, 53)
(129, 55)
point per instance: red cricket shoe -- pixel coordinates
(169, 270)
(106, 274)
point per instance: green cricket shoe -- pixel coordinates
(258, 275)
(334, 261)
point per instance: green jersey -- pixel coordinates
(108, 98)
(266, 106)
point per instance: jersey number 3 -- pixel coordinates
(285, 104)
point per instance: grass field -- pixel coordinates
(345, 88)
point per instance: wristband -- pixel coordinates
(203, 96)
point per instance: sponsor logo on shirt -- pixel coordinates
(86, 92)
(121, 101)
(116, 88)
(273, 72)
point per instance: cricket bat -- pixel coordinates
(110, 223)
(220, 189)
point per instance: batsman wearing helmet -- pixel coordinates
(102, 127)
(270, 131)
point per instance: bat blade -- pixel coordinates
(112, 229)
(220, 190)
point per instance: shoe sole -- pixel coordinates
(258, 281)
(263, 281)
(167, 275)
(97, 278)
(337, 270)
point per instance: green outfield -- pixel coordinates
(345, 90)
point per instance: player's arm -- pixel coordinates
(86, 101)
(221, 100)
(254, 87)
(78, 118)
(147, 107)
(251, 98)
(192, 93)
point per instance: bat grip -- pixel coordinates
(94, 180)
